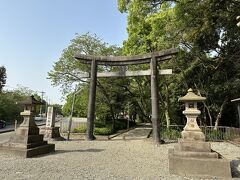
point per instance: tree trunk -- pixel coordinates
(91, 102)
(205, 105)
(167, 118)
(113, 118)
(109, 104)
(209, 114)
(140, 104)
(220, 114)
(166, 103)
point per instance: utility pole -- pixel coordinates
(41, 104)
(70, 119)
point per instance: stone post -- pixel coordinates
(51, 115)
(51, 132)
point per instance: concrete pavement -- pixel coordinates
(140, 132)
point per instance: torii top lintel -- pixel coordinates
(127, 60)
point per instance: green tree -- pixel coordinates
(9, 103)
(67, 70)
(3, 77)
(207, 33)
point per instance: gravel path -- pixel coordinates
(135, 159)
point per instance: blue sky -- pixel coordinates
(33, 34)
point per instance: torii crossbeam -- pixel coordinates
(151, 58)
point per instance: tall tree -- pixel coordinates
(67, 70)
(3, 77)
(207, 33)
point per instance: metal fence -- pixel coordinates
(174, 131)
(220, 134)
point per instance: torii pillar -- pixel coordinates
(154, 99)
(152, 58)
(91, 101)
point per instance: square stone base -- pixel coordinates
(202, 167)
(27, 152)
(51, 133)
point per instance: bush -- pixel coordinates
(80, 129)
(122, 124)
(103, 131)
(97, 130)
(171, 134)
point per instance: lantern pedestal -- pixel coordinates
(26, 142)
(201, 164)
(192, 156)
(191, 131)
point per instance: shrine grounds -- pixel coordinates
(104, 159)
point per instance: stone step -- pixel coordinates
(26, 153)
(40, 150)
(36, 144)
(195, 154)
(35, 138)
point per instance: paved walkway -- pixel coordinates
(140, 132)
(8, 128)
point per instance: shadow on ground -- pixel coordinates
(69, 151)
(235, 167)
(78, 150)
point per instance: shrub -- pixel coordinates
(97, 130)
(172, 134)
(103, 131)
(80, 129)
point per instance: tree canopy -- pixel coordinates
(3, 77)
(206, 31)
(209, 61)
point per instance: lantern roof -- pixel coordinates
(30, 101)
(191, 96)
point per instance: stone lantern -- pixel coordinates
(28, 114)
(192, 156)
(192, 130)
(27, 142)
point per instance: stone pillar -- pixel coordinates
(51, 115)
(154, 99)
(51, 132)
(91, 101)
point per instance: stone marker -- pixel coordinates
(51, 114)
(27, 142)
(50, 131)
(192, 156)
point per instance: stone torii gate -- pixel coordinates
(150, 58)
